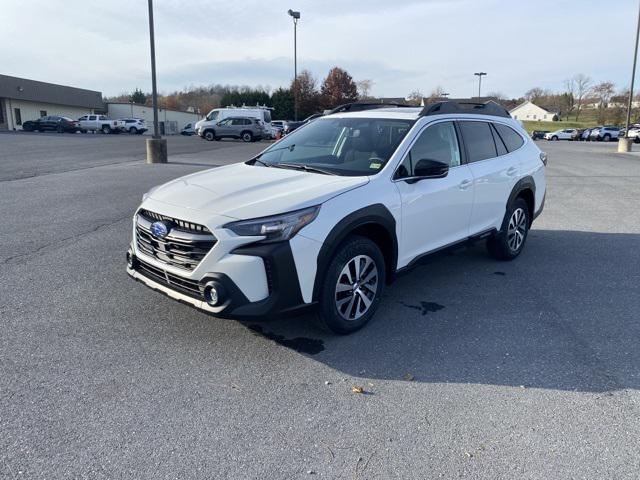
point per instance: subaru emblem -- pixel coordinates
(159, 229)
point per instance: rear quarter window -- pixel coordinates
(510, 137)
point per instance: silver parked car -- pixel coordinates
(245, 128)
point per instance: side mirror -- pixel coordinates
(426, 168)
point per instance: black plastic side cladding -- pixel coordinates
(376, 214)
(284, 285)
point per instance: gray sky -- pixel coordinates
(401, 45)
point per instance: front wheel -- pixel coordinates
(209, 135)
(606, 138)
(106, 129)
(509, 241)
(247, 137)
(133, 130)
(352, 286)
(554, 138)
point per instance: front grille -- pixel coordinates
(185, 245)
(184, 225)
(188, 287)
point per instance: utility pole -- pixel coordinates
(156, 146)
(633, 77)
(295, 16)
(479, 75)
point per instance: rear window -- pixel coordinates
(509, 136)
(479, 140)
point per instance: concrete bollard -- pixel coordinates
(624, 145)
(156, 150)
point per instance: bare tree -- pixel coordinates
(535, 94)
(364, 89)
(582, 87)
(437, 94)
(415, 97)
(568, 97)
(603, 92)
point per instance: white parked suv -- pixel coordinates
(566, 134)
(328, 216)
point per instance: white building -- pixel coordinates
(529, 111)
(170, 122)
(22, 99)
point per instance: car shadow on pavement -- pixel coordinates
(564, 315)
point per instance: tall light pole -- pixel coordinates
(295, 16)
(156, 146)
(479, 75)
(633, 77)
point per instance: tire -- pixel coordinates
(209, 135)
(133, 131)
(59, 129)
(106, 129)
(508, 243)
(246, 137)
(636, 140)
(606, 138)
(554, 138)
(345, 311)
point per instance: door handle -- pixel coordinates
(512, 171)
(465, 184)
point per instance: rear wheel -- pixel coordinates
(133, 130)
(246, 137)
(606, 138)
(106, 129)
(352, 287)
(509, 241)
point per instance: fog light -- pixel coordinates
(213, 293)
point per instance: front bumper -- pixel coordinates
(284, 294)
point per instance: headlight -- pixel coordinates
(277, 227)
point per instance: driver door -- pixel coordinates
(435, 211)
(223, 128)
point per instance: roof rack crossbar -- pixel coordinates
(360, 106)
(475, 108)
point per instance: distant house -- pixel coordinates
(529, 111)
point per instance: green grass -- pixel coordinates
(587, 119)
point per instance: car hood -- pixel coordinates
(245, 191)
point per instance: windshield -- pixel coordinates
(213, 114)
(342, 146)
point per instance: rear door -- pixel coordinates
(494, 168)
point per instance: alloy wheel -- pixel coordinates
(517, 229)
(356, 287)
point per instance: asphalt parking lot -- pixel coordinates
(472, 368)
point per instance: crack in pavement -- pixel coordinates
(15, 259)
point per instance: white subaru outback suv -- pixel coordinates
(327, 216)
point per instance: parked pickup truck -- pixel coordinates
(98, 123)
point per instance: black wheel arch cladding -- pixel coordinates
(521, 188)
(376, 218)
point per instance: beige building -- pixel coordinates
(529, 111)
(22, 99)
(170, 122)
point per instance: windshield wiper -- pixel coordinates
(261, 162)
(305, 168)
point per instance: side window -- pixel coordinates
(82, 118)
(511, 139)
(92, 117)
(500, 146)
(479, 140)
(438, 142)
(238, 121)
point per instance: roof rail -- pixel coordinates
(360, 106)
(486, 108)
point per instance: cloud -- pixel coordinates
(400, 45)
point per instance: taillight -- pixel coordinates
(543, 157)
